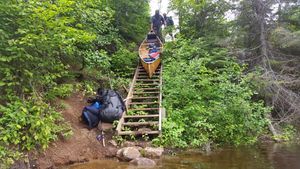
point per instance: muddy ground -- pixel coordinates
(83, 145)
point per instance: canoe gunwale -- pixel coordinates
(150, 66)
(151, 61)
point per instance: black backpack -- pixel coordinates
(169, 21)
(112, 105)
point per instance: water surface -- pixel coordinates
(275, 156)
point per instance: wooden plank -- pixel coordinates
(146, 103)
(160, 99)
(143, 109)
(150, 97)
(148, 123)
(147, 89)
(142, 116)
(146, 92)
(148, 80)
(147, 84)
(145, 78)
(137, 132)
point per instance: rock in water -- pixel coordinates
(128, 153)
(120, 154)
(141, 161)
(152, 152)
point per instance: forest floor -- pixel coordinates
(82, 146)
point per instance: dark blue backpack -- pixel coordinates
(106, 107)
(90, 114)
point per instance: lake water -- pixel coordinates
(275, 156)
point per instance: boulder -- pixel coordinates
(111, 152)
(141, 161)
(128, 153)
(129, 144)
(119, 154)
(152, 152)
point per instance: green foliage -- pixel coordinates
(60, 91)
(118, 139)
(208, 98)
(286, 40)
(288, 133)
(291, 17)
(124, 61)
(28, 125)
(8, 157)
(131, 18)
(45, 46)
(201, 18)
(45, 41)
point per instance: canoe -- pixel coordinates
(150, 53)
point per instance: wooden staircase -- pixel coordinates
(144, 105)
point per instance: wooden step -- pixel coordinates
(150, 97)
(147, 84)
(146, 92)
(143, 109)
(141, 116)
(145, 73)
(148, 123)
(148, 88)
(137, 132)
(148, 80)
(147, 77)
(146, 103)
(143, 70)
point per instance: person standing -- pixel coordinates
(169, 25)
(156, 23)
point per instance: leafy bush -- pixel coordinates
(46, 41)
(28, 125)
(60, 91)
(207, 98)
(124, 61)
(131, 18)
(288, 133)
(44, 45)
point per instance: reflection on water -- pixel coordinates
(255, 157)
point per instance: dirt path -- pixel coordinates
(82, 146)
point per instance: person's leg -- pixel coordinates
(171, 34)
(156, 31)
(160, 35)
(165, 32)
(171, 28)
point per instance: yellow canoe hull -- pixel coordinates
(150, 67)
